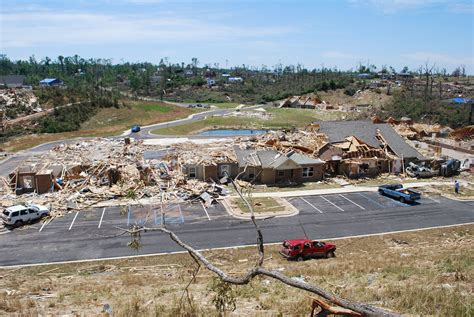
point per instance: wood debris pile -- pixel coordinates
(307, 141)
(87, 173)
(18, 101)
(103, 171)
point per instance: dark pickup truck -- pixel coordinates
(398, 192)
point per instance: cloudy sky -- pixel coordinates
(339, 33)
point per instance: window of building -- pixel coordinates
(224, 170)
(281, 173)
(251, 172)
(192, 172)
(308, 171)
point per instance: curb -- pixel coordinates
(230, 211)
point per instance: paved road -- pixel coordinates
(83, 235)
(145, 131)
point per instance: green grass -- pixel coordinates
(108, 121)
(153, 107)
(281, 118)
(260, 205)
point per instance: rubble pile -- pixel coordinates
(259, 113)
(220, 152)
(306, 140)
(122, 171)
(87, 173)
(18, 101)
(464, 134)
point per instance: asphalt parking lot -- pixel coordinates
(351, 202)
(94, 234)
(109, 220)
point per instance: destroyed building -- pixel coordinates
(363, 148)
(354, 158)
(303, 102)
(28, 179)
(209, 165)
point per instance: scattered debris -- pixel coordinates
(18, 102)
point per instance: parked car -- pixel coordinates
(398, 192)
(136, 128)
(302, 249)
(21, 214)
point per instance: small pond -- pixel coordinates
(232, 132)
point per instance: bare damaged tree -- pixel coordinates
(352, 308)
(427, 72)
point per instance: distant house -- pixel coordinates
(155, 79)
(365, 76)
(12, 81)
(404, 76)
(300, 102)
(235, 79)
(51, 82)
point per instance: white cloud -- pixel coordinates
(463, 8)
(438, 59)
(75, 28)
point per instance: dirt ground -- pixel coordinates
(418, 273)
(366, 97)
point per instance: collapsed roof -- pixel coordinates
(367, 131)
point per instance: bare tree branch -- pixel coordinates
(364, 309)
(361, 308)
(193, 278)
(260, 246)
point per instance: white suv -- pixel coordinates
(20, 214)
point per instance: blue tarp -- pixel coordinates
(462, 100)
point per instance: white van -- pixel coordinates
(20, 214)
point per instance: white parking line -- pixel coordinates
(72, 223)
(436, 201)
(204, 207)
(101, 217)
(352, 202)
(311, 204)
(332, 203)
(45, 223)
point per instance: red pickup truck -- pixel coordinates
(301, 249)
